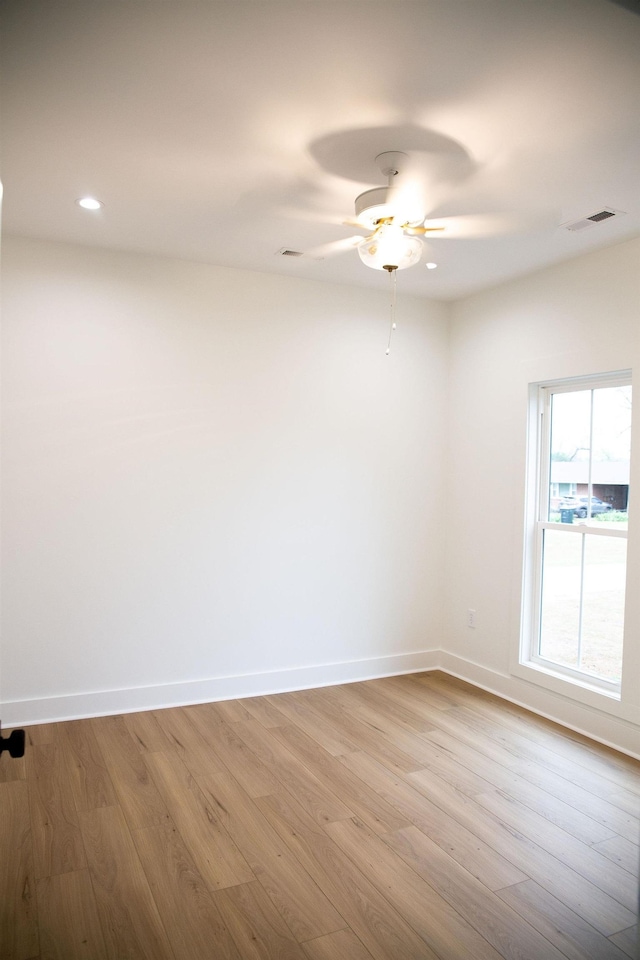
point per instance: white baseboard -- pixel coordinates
(611, 731)
(102, 703)
(616, 732)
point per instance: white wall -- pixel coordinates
(214, 482)
(581, 317)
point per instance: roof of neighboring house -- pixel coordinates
(615, 472)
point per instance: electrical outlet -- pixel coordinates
(471, 618)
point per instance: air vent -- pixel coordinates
(603, 215)
(285, 252)
(592, 220)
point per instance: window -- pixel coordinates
(577, 544)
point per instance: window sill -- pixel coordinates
(569, 686)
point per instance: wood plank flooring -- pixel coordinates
(408, 818)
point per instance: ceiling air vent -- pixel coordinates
(591, 221)
(285, 252)
(603, 215)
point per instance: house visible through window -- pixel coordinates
(579, 534)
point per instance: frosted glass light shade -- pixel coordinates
(390, 248)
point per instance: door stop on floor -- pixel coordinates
(14, 743)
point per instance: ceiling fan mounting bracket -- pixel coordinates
(391, 162)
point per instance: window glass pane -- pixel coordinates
(611, 454)
(592, 643)
(560, 608)
(603, 606)
(569, 461)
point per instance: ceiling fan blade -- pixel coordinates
(317, 199)
(420, 231)
(407, 194)
(484, 225)
(333, 248)
(312, 216)
(354, 223)
(424, 179)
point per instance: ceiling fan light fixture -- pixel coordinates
(390, 249)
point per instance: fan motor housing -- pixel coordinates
(372, 207)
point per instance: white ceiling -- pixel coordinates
(225, 131)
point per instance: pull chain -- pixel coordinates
(392, 323)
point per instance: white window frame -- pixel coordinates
(537, 512)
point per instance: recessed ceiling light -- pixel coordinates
(89, 203)
(431, 266)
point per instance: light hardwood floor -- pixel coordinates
(410, 817)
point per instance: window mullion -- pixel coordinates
(581, 600)
(590, 467)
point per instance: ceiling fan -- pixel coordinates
(394, 216)
(394, 219)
